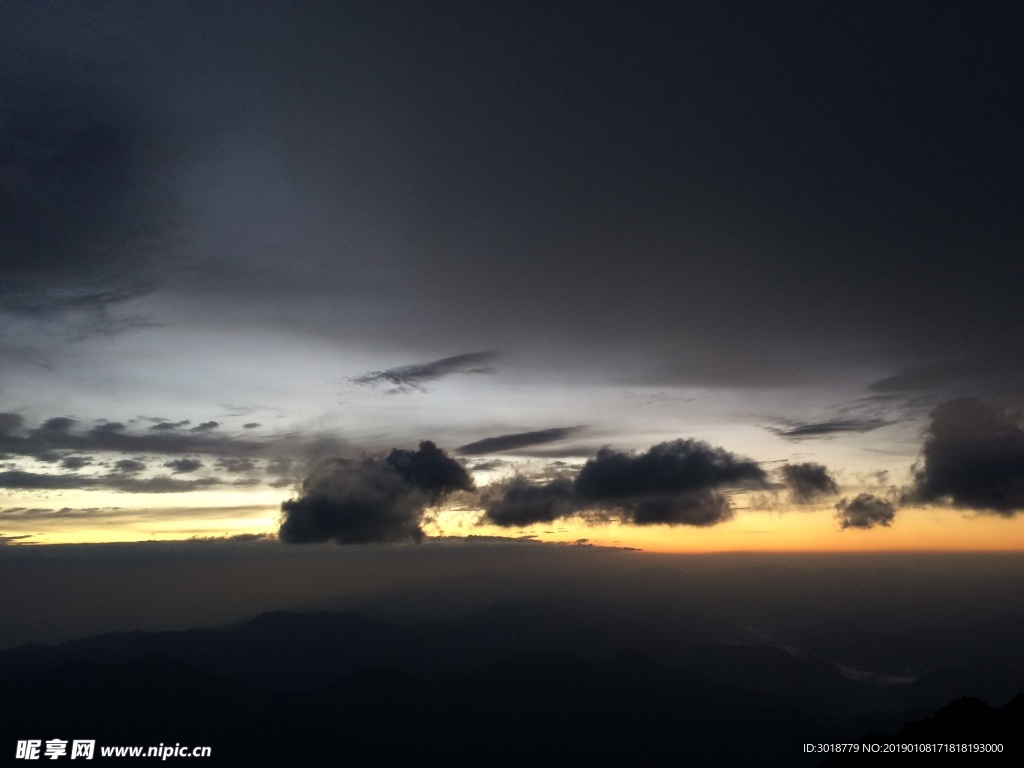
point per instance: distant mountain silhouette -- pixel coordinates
(554, 681)
(283, 650)
(274, 651)
(964, 721)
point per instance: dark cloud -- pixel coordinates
(75, 462)
(828, 428)
(251, 425)
(519, 502)
(235, 465)
(429, 469)
(359, 501)
(808, 482)
(674, 483)
(676, 467)
(183, 466)
(973, 456)
(865, 511)
(408, 378)
(206, 426)
(517, 440)
(129, 465)
(697, 508)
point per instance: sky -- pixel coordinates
(683, 277)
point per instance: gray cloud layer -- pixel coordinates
(21, 480)
(55, 434)
(113, 445)
(84, 203)
(480, 183)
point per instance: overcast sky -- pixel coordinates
(710, 240)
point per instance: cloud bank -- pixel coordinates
(681, 482)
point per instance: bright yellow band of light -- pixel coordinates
(166, 517)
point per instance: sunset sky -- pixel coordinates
(673, 276)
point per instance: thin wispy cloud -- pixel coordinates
(34, 481)
(412, 378)
(514, 440)
(826, 429)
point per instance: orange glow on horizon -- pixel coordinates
(915, 529)
(793, 530)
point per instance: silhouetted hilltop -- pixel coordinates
(966, 722)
